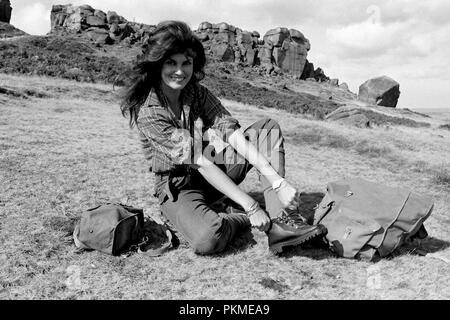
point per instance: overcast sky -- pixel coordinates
(352, 40)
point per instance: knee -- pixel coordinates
(208, 244)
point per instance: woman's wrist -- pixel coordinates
(277, 184)
(253, 209)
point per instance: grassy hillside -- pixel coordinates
(63, 57)
(73, 57)
(64, 146)
(8, 30)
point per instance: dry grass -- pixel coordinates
(66, 150)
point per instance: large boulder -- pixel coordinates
(308, 70)
(299, 38)
(58, 16)
(320, 76)
(246, 51)
(96, 21)
(382, 91)
(5, 11)
(350, 115)
(288, 50)
(223, 52)
(112, 17)
(87, 20)
(205, 27)
(276, 36)
(99, 36)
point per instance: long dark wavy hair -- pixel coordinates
(169, 37)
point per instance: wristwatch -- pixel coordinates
(277, 184)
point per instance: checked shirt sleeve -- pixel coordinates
(215, 116)
(170, 145)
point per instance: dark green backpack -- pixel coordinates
(115, 229)
(366, 219)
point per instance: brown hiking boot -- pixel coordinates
(285, 231)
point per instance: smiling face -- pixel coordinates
(177, 71)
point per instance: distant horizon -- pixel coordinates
(430, 109)
(351, 40)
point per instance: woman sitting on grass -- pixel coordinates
(199, 154)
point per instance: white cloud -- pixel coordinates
(33, 19)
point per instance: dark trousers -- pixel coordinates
(206, 230)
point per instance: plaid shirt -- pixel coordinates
(167, 142)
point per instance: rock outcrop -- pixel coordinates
(5, 11)
(96, 25)
(286, 49)
(281, 50)
(381, 91)
(228, 43)
(369, 116)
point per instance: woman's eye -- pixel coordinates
(170, 62)
(187, 62)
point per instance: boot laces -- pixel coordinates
(291, 219)
(291, 216)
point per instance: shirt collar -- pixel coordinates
(187, 96)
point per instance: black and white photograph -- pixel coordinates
(241, 151)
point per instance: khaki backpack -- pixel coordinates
(366, 219)
(115, 229)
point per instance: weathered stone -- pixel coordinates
(265, 54)
(308, 70)
(223, 26)
(98, 35)
(344, 86)
(298, 37)
(256, 34)
(114, 29)
(278, 55)
(126, 30)
(58, 16)
(101, 15)
(382, 91)
(225, 36)
(237, 54)
(349, 115)
(85, 11)
(291, 60)
(215, 28)
(250, 57)
(112, 17)
(86, 7)
(334, 82)
(276, 36)
(5, 11)
(223, 51)
(204, 26)
(320, 76)
(95, 21)
(203, 36)
(74, 22)
(244, 37)
(311, 79)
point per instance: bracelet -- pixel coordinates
(278, 184)
(253, 209)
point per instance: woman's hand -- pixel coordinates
(287, 194)
(258, 217)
